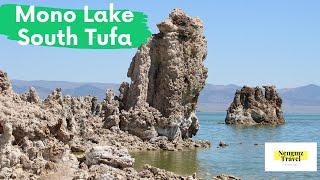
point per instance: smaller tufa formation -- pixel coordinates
(111, 110)
(5, 86)
(253, 106)
(226, 177)
(31, 96)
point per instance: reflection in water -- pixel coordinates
(244, 157)
(181, 162)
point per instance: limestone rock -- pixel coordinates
(1, 127)
(6, 137)
(253, 106)
(150, 172)
(226, 177)
(5, 86)
(167, 75)
(222, 144)
(31, 96)
(78, 137)
(54, 99)
(140, 122)
(111, 110)
(112, 156)
(96, 107)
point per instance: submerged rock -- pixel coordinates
(150, 172)
(253, 106)
(167, 76)
(226, 177)
(222, 144)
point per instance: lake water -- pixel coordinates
(244, 157)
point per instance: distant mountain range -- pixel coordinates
(303, 99)
(213, 98)
(44, 88)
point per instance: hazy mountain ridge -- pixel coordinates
(44, 88)
(305, 95)
(213, 97)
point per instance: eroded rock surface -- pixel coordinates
(31, 96)
(226, 177)
(110, 155)
(64, 137)
(167, 75)
(5, 86)
(257, 105)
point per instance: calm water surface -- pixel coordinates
(242, 157)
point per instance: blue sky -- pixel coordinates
(249, 42)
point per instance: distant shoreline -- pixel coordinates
(213, 98)
(286, 113)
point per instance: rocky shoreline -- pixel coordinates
(64, 137)
(60, 137)
(41, 139)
